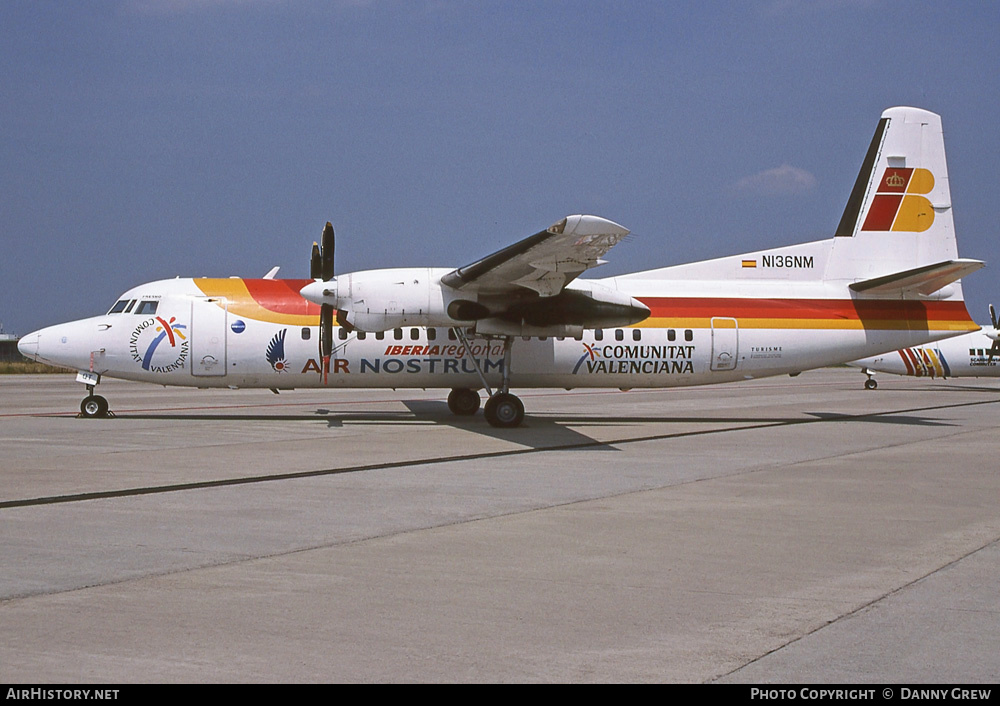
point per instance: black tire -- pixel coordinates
(504, 410)
(94, 407)
(871, 384)
(463, 402)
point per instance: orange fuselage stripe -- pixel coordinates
(278, 301)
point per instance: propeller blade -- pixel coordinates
(326, 330)
(994, 350)
(325, 337)
(321, 267)
(327, 252)
(993, 316)
(315, 263)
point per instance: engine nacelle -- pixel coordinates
(380, 300)
(583, 304)
(502, 327)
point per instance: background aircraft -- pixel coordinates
(889, 278)
(975, 354)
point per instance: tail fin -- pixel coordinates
(898, 218)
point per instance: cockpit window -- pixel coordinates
(119, 306)
(146, 307)
(129, 307)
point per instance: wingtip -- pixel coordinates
(592, 225)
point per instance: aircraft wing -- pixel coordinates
(545, 262)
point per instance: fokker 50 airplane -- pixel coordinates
(971, 355)
(888, 279)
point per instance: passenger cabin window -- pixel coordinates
(342, 333)
(362, 335)
(146, 307)
(397, 334)
(414, 334)
(306, 333)
(636, 334)
(451, 335)
(689, 335)
(598, 334)
(379, 335)
(619, 335)
(671, 335)
(432, 334)
(119, 306)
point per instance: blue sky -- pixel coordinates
(144, 139)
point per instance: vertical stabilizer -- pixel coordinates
(899, 214)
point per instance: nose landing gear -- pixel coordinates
(871, 383)
(93, 406)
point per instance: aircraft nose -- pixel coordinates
(68, 345)
(28, 345)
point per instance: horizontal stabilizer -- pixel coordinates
(921, 280)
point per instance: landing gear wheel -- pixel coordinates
(94, 406)
(463, 402)
(870, 384)
(504, 410)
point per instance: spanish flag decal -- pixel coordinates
(750, 263)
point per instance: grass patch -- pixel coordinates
(26, 367)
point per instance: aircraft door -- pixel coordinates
(725, 343)
(208, 337)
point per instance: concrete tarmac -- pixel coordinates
(777, 531)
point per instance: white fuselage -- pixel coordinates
(260, 333)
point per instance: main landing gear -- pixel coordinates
(503, 409)
(463, 401)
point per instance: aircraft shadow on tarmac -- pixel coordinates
(880, 419)
(547, 430)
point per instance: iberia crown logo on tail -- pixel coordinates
(899, 203)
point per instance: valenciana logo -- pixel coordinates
(147, 347)
(591, 352)
(636, 359)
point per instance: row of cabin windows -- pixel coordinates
(148, 308)
(637, 334)
(126, 306)
(397, 334)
